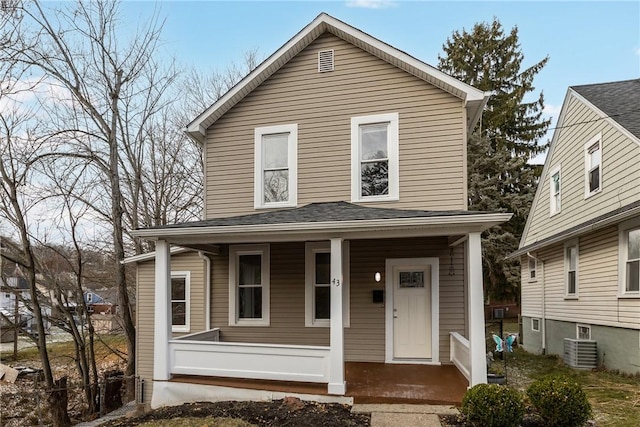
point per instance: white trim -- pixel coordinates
(337, 383)
(567, 245)
(292, 165)
(393, 138)
(582, 325)
(311, 248)
(587, 165)
(623, 229)
(234, 252)
(162, 312)
(475, 311)
(554, 209)
(533, 328)
(175, 250)
(187, 299)
(459, 353)
(324, 22)
(434, 264)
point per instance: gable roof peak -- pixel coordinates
(474, 99)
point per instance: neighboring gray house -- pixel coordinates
(580, 250)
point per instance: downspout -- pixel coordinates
(207, 290)
(543, 326)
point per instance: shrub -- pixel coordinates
(560, 401)
(492, 405)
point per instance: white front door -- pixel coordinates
(412, 312)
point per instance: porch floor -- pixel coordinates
(368, 383)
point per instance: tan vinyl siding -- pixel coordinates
(598, 301)
(531, 300)
(431, 121)
(145, 316)
(365, 338)
(620, 173)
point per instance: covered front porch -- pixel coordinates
(344, 354)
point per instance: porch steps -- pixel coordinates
(394, 415)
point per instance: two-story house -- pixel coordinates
(337, 258)
(580, 251)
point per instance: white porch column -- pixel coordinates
(337, 384)
(475, 310)
(162, 316)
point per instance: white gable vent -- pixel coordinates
(325, 61)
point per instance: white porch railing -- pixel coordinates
(210, 335)
(191, 356)
(460, 354)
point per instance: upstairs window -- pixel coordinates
(571, 269)
(275, 169)
(593, 166)
(555, 191)
(180, 301)
(374, 158)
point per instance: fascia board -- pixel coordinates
(487, 220)
(297, 43)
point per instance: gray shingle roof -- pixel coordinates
(619, 100)
(319, 212)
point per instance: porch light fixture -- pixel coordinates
(377, 276)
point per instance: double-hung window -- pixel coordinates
(571, 268)
(180, 283)
(374, 157)
(249, 285)
(593, 166)
(532, 269)
(555, 190)
(318, 284)
(275, 166)
(629, 251)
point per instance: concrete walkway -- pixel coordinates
(385, 415)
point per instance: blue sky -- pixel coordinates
(587, 41)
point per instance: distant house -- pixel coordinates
(97, 304)
(336, 245)
(14, 307)
(580, 251)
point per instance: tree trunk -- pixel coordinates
(58, 399)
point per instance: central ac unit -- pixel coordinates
(498, 313)
(580, 354)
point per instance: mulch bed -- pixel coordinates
(290, 412)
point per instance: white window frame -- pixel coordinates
(311, 248)
(89, 297)
(534, 328)
(292, 153)
(623, 236)
(567, 245)
(587, 165)
(393, 138)
(554, 209)
(534, 270)
(234, 252)
(187, 306)
(580, 325)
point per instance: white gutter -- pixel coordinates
(326, 226)
(207, 290)
(152, 255)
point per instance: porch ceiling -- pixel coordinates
(321, 221)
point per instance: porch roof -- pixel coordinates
(324, 220)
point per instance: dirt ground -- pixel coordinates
(289, 412)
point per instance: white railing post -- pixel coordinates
(477, 344)
(162, 313)
(337, 384)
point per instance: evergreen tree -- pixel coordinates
(500, 179)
